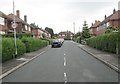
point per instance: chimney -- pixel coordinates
(18, 13)
(95, 21)
(105, 16)
(92, 24)
(25, 18)
(114, 11)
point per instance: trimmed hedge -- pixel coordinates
(33, 44)
(26, 44)
(106, 42)
(8, 48)
(18, 35)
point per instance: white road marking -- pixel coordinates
(64, 61)
(64, 54)
(65, 77)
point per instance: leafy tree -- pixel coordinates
(85, 32)
(50, 30)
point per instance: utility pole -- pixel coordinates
(14, 27)
(74, 27)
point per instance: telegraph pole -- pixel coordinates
(14, 27)
(74, 27)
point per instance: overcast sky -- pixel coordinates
(60, 14)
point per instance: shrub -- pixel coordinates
(33, 44)
(21, 49)
(8, 48)
(18, 35)
(105, 42)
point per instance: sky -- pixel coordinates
(60, 14)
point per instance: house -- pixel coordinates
(93, 28)
(37, 32)
(7, 20)
(22, 25)
(4, 22)
(65, 34)
(47, 34)
(112, 20)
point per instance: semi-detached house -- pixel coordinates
(112, 20)
(22, 25)
(7, 20)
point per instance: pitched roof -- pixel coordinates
(115, 16)
(4, 16)
(95, 24)
(17, 19)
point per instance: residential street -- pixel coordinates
(68, 63)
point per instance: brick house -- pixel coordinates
(22, 25)
(111, 21)
(37, 32)
(64, 34)
(4, 22)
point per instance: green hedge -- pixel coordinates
(8, 49)
(18, 35)
(33, 44)
(26, 44)
(105, 42)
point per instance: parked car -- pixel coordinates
(56, 43)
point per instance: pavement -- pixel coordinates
(109, 59)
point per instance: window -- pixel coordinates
(25, 27)
(2, 20)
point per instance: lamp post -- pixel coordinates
(14, 27)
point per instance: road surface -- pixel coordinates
(66, 64)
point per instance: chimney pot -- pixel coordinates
(18, 13)
(114, 11)
(105, 16)
(25, 18)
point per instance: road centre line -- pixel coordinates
(65, 77)
(64, 61)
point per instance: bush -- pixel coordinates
(33, 44)
(18, 35)
(105, 42)
(8, 48)
(21, 49)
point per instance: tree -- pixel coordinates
(50, 30)
(85, 31)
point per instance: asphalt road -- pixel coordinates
(68, 63)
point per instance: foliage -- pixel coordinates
(8, 48)
(105, 42)
(21, 49)
(112, 29)
(50, 30)
(18, 35)
(33, 44)
(43, 35)
(85, 32)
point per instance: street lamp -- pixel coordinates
(14, 27)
